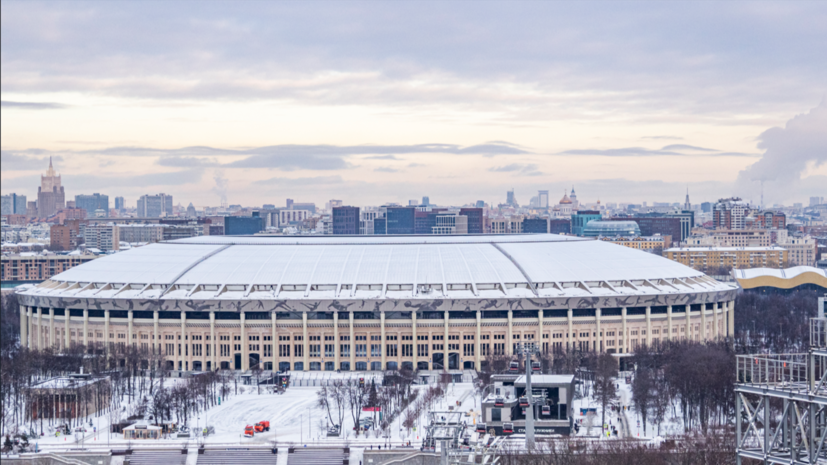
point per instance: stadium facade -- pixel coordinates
(370, 303)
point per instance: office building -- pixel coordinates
(706, 207)
(154, 206)
(400, 220)
(426, 201)
(646, 243)
(309, 206)
(243, 225)
(346, 220)
(816, 201)
(119, 204)
(510, 200)
(476, 223)
(50, 195)
(91, 203)
(13, 204)
(450, 223)
(658, 226)
(559, 226)
(535, 225)
(292, 217)
(581, 218)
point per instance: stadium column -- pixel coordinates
(52, 327)
(245, 359)
(668, 323)
(703, 323)
(509, 347)
(715, 320)
(305, 346)
(477, 354)
(624, 339)
(183, 345)
(351, 343)
(648, 326)
(731, 325)
(105, 332)
(30, 327)
(85, 329)
(414, 340)
(67, 317)
(539, 329)
(273, 346)
(212, 345)
(598, 343)
(129, 321)
(156, 338)
(40, 328)
(336, 365)
(688, 335)
(445, 363)
(382, 337)
(24, 326)
(571, 330)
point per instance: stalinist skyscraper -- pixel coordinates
(50, 195)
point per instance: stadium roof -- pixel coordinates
(787, 278)
(377, 267)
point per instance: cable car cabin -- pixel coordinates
(514, 367)
(499, 402)
(523, 401)
(535, 367)
(508, 428)
(546, 410)
(480, 427)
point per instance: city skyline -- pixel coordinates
(628, 102)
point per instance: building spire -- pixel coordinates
(50, 162)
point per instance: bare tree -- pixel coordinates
(605, 391)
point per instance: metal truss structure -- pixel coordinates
(444, 428)
(781, 403)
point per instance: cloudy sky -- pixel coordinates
(374, 102)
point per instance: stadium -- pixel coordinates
(371, 302)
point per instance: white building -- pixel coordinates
(802, 250)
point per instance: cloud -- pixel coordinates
(675, 150)
(299, 182)
(382, 157)
(186, 162)
(788, 153)
(529, 169)
(385, 169)
(415, 165)
(663, 137)
(32, 105)
(11, 161)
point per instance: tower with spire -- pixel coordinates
(686, 205)
(50, 194)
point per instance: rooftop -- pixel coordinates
(375, 267)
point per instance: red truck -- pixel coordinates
(249, 431)
(262, 426)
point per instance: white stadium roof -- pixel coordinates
(377, 267)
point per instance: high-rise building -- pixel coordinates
(13, 204)
(706, 207)
(102, 236)
(816, 201)
(309, 206)
(154, 206)
(119, 205)
(50, 194)
(480, 204)
(400, 220)
(510, 199)
(93, 202)
(191, 211)
(559, 226)
(476, 223)
(543, 198)
(687, 205)
(426, 201)
(730, 213)
(346, 220)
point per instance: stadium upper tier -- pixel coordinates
(342, 268)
